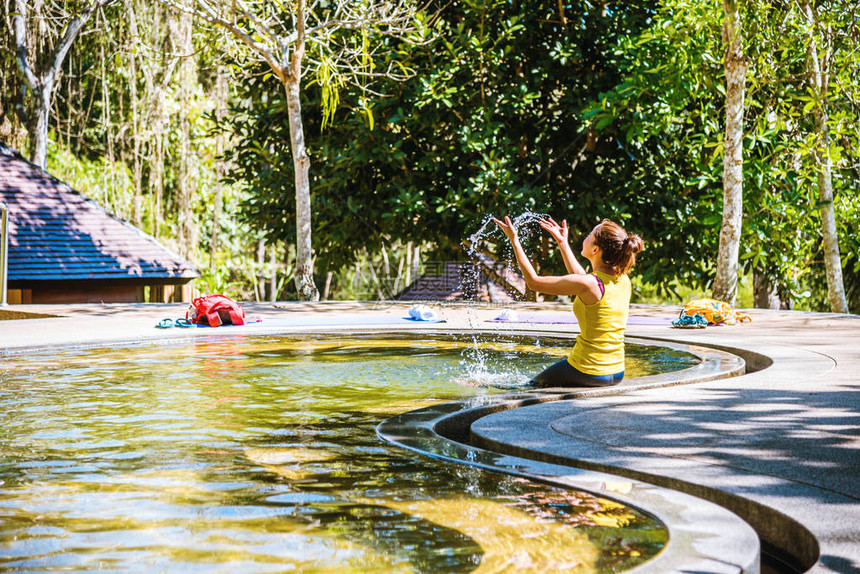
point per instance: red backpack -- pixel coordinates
(215, 310)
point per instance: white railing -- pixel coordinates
(4, 252)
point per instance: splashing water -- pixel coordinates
(476, 363)
(527, 226)
(482, 368)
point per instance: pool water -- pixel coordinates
(259, 454)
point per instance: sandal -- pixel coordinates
(184, 323)
(165, 324)
(696, 321)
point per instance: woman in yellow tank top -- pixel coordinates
(601, 304)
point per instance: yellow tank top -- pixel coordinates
(599, 348)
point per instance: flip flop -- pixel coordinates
(165, 324)
(184, 323)
(696, 321)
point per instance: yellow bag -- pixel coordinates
(715, 312)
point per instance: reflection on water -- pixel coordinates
(260, 455)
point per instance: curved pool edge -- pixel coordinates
(786, 540)
(703, 536)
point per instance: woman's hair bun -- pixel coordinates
(634, 244)
(619, 248)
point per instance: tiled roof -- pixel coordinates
(57, 234)
(510, 282)
(453, 281)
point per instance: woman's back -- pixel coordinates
(599, 348)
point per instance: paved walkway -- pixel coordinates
(781, 442)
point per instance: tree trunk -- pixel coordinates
(408, 281)
(156, 174)
(291, 77)
(39, 128)
(187, 180)
(380, 296)
(217, 199)
(165, 29)
(110, 165)
(832, 259)
(305, 285)
(260, 285)
(818, 78)
(41, 83)
(222, 97)
(726, 281)
(273, 274)
(398, 282)
(386, 273)
(765, 295)
(328, 277)
(416, 262)
(287, 263)
(137, 167)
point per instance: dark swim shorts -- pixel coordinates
(563, 374)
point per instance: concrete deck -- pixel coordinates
(781, 442)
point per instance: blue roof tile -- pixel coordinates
(57, 234)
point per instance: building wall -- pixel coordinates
(171, 293)
(19, 296)
(101, 294)
(120, 294)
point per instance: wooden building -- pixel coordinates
(65, 248)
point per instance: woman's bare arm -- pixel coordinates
(560, 234)
(574, 284)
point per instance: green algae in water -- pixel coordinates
(260, 455)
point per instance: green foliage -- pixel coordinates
(487, 125)
(670, 108)
(119, 96)
(602, 110)
(665, 113)
(784, 232)
(110, 184)
(497, 118)
(680, 293)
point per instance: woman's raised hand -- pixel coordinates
(507, 228)
(558, 232)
